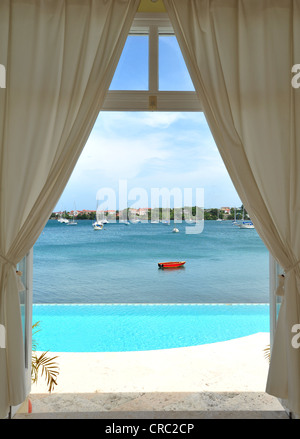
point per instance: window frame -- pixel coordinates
(152, 99)
(26, 267)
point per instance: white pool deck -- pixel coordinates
(225, 379)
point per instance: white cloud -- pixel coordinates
(161, 120)
(151, 150)
(137, 120)
(120, 157)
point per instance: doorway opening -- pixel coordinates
(153, 96)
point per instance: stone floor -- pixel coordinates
(159, 415)
(184, 405)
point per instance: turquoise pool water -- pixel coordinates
(120, 328)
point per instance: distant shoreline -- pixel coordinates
(186, 213)
(143, 221)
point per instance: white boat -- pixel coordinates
(72, 223)
(246, 225)
(98, 226)
(175, 230)
(62, 220)
(97, 223)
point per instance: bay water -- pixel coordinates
(119, 264)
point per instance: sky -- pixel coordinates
(130, 157)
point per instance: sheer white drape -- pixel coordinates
(240, 54)
(59, 57)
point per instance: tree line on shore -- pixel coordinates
(183, 213)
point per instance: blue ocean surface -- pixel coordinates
(224, 264)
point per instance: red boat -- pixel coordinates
(171, 264)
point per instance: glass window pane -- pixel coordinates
(132, 70)
(173, 73)
(22, 267)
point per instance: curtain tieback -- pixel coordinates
(292, 267)
(281, 279)
(20, 285)
(4, 260)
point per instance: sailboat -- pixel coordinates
(219, 219)
(73, 222)
(246, 224)
(98, 224)
(234, 222)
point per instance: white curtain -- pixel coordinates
(59, 57)
(240, 54)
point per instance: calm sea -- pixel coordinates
(75, 264)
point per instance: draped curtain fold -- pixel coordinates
(59, 58)
(240, 54)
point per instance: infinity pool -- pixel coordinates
(119, 328)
